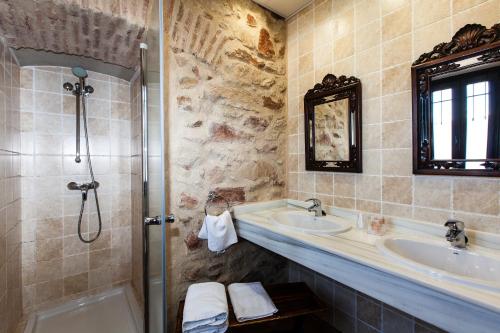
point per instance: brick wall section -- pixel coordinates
(107, 30)
(227, 132)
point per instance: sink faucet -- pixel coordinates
(456, 234)
(316, 207)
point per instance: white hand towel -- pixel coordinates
(250, 301)
(205, 308)
(219, 230)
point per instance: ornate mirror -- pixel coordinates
(332, 118)
(456, 105)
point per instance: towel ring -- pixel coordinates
(212, 196)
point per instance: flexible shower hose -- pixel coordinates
(94, 186)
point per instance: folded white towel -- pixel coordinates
(250, 301)
(205, 308)
(219, 230)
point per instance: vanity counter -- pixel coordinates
(353, 259)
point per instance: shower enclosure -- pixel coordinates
(153, 177)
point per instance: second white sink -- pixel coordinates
(307, 222)
(475, 267)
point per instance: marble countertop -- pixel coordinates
(359, 247)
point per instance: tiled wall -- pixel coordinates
(56, 264)
(377, 40)
(10, 193)
(351, 311)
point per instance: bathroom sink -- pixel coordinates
(307, 222)
(472, 266)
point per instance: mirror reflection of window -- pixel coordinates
(441, 122)
(466, 119)
(477, 122)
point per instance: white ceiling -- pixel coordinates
(284, 8)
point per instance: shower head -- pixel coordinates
(79, 72)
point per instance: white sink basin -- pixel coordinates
(307, 222)
(473, 266)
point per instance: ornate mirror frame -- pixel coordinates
(334, 88)
(471, 46)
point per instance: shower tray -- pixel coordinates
(112, 311)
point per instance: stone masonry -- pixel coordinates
(227, 133)
(107, 30)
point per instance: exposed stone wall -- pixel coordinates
(227, 132)
(10, 193)
(107, 30)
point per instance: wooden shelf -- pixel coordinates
(293, 300)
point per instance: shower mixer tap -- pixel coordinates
(81, 91)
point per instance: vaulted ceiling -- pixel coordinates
(106, 30)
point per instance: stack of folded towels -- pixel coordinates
(206, 309)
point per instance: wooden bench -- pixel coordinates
(294, 301)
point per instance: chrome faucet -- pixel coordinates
(456, 234)
(316, 207)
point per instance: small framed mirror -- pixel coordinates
(332, 119)
(456, 105)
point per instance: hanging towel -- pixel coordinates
(205, 308)
(250, 301)
(219, 230)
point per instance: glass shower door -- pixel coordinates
(153, 201)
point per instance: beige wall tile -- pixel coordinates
(368, 187)
(306, 43)
(344, 202)
(370, 36)
(369, 206)
(397, 162)
(432, 192)
(396, 79)
(371, 136)
(396, 23)
(479, 222)
(430, 11)
(485, 14)
(344, 185)
(343, 24)
(396, 107)
(477, 196)
(425, 38)
(343, 47)
(396, 51)
(431, 215)
(396, 134)
(460, 5)
(397, 189)
(371, 111)
(368, 61)
(405, 211)
(367, 11)
(324, 183)
(306, 63)
(76, 284)
(391, 5)
(371, 162)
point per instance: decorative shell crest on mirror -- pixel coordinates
(468, 37)
(330, 82)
